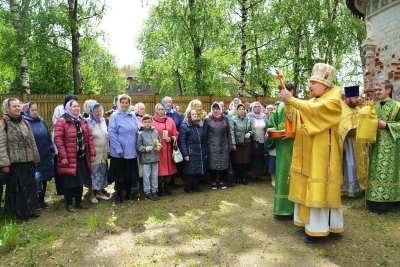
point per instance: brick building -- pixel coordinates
(381, 46)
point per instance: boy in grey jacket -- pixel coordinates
(148, 145)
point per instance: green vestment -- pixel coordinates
(284, 149)
(384, 183)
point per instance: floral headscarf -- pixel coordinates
(26, 107)
(27, 113)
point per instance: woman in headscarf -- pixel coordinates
(259, 123)
(170, 110)
(86, 107)
(97, 124)
(44, 146)
(140, 111)
(194, 151)
(198, 106)
(58, 112)
(219, 143)
(19, 155)
(168, 133)
(241, 131)
(233, 105)
(123, 133)
(76, 151)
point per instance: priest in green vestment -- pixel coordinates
(283, 207)
(384, 183)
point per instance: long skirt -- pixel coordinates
(99, 176)
(21, 192)
(82, 176)
(257, 159)
(124, 170)
(242, 154)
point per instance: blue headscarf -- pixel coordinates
(168, 111)
(93, 118)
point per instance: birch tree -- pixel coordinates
(19, 36)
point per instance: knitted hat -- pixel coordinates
(323, 73)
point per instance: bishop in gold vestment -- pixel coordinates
(316, 171)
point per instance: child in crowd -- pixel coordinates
(148, 145)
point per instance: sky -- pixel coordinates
(122, 23)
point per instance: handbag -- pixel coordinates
(239, 141)
(176, 153)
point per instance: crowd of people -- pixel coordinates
(314, 162)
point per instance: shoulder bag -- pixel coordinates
(176, 153)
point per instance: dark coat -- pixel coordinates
(65, 138)
(219, 143)
(176, 118)
(192, 143)
(44, 145)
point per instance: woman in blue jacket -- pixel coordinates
(123, 133)
(193, 147)
(44, 145)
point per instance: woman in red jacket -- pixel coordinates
(166, 128)
(76, 151)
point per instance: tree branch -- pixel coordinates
(263, 45)
(255, 3)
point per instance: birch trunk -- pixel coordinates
(15, 10)
(243, 54)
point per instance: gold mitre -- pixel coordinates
(323, 73)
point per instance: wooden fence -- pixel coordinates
(47, 103)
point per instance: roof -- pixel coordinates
(355, 7)
(128, 72)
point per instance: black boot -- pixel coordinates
(118, 199)
(238, 180)
(244, 181)
(197, 188)
(160, 190)
(188, 188)
(166, 189)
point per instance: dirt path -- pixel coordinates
(232, 227)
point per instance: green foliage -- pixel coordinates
(282, 35)
(93, 222)
(180, 56)
(32, 255)
(9, 234)
(46, 30)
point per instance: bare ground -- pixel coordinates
(232, 227)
